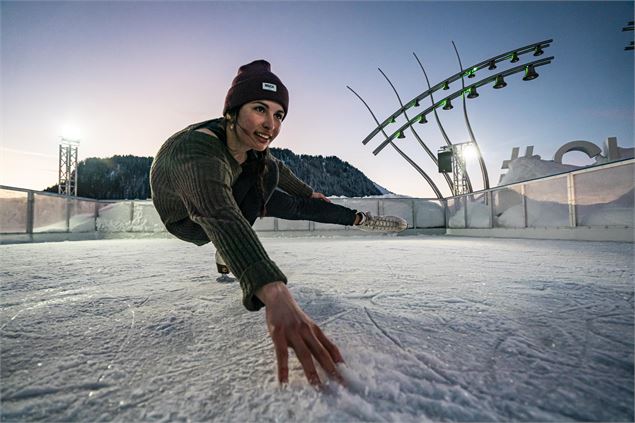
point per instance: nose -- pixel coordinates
(268, 121)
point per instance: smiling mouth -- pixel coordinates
(263, 137)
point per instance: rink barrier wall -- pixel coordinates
(590, 204)
(594, 203)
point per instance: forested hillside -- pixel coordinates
(127, 177)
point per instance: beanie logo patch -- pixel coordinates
(269, 87)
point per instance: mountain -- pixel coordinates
(127, 177)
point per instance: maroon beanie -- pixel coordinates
(255, 81)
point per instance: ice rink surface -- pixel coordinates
(432, 329)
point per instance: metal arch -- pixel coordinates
(469, 127)
(425, 147)
(404, 155)
(436, 118)
(455, 94)
(436, 115)
(496, 59)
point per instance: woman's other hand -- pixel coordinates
(288, 327)
(320, 196)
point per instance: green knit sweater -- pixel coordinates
(191, 181)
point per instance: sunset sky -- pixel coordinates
(130, 74)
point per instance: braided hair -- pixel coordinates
(231, 117)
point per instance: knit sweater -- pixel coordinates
(191, 179)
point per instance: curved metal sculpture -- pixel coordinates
(404, 155)
(425, 147)
(490, 64)
(436, 117)
(455, 94)
(469, 127)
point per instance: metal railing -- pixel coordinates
(599, 196)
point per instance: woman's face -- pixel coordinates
(258, 123)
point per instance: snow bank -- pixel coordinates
(526, 168)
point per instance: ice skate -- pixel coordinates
(384, 224)
(223, 270)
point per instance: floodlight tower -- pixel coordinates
(67, 182)
(453, 158)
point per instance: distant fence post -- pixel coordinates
(68, 213)
(30, 199)
(131, 217)
(523, 202)
(490, 198)
(571, 200)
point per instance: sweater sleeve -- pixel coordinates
(203, 178)
(291, 183)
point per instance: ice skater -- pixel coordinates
(211, 180)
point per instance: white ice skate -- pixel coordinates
(223, 270)
(385, 224)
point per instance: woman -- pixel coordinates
(211, 181)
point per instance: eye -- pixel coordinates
(279, 116)
(259, 109)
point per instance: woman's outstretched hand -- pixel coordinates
(288, 327)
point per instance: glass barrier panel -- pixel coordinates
(145, 218)
(456, 213)
(604, 197)
(508, 208)
(13, 210)
(400, 207)
(114, 217)
(547, 203)
(82, 216)
(478, 211)
(49, 213)
(429, 213)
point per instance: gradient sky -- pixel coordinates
(129, 74)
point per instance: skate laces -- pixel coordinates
(372, 223)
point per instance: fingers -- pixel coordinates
(306, 360)
(330, 347)
(282, 357)
(322, 354)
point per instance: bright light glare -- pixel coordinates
(470, 152)
(71, 133)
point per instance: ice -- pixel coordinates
(432, 328)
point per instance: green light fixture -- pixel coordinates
(447, 104)
(538, 50)
(472, 92)
(492, 65)
(472, 73)
(530, 73)
(416, 103)
(446, 85)
(514, 57)
(500, 82)
(401, 135)
(423, 119)
(392, 120)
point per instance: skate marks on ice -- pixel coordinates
(422, 341)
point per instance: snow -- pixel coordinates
(525, 168)
(432, 328)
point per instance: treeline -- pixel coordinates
(127, 177)
(113, 178)
(328, 175)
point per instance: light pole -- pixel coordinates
(453, 158)
(67, 182)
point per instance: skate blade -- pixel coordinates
(225, 279)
